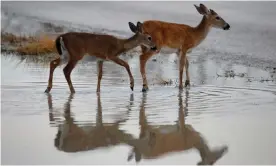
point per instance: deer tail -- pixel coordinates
(58, 45)
(61, 49)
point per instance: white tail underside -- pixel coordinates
(64, 56)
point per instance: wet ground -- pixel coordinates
(231, 102)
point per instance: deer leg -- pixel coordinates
(181, 68)
(100, 73)
(142, 117)
(50, 106)
(181, 114)
(128, 110)
(99, 120)
(135, 143)
(187, 82)
(67, 109)
(125, 64)
(67, 73)
(53, 66)
(143, 61)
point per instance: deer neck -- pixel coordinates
(202, 30)
(130, 43)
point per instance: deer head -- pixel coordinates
(212, 17)
(144, 39)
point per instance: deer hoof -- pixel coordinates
(132, 84)
(187, 83)
(47, 90)
(144, 89)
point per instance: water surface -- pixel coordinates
(228, 112)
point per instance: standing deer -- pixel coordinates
(72, 46)
(178, 38)
(156, 141)
(72, 137)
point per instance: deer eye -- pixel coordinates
(149, 38)
(217, 18)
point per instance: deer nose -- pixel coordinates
(153, 48)
(226, 27)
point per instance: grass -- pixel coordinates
(30, 45)
(44, 45)
(12, 39)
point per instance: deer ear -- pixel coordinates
(132, 27)
(138, 157)
(139, 26)
(213, 12)
(199, 10)
(130, 156)
(204, 9)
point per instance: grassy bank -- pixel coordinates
(30, 49)
(27, 45)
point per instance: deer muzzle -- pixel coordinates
(226, 27)
(153, 48)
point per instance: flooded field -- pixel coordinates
(227, 114)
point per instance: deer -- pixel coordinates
(72, 46)
(72, 137)
(156, 141)
(178, 38)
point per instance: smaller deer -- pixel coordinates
(72, 46)
(178, 38)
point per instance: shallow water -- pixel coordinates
(228, 112)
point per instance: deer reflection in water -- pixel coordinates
(154, 140)
(74, 138)
(157, 140)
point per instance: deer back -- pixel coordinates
(99, 45)
(168, 34)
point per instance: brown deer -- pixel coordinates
(74, 138)
(156, 141)
(72, 46)
(178, 38)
